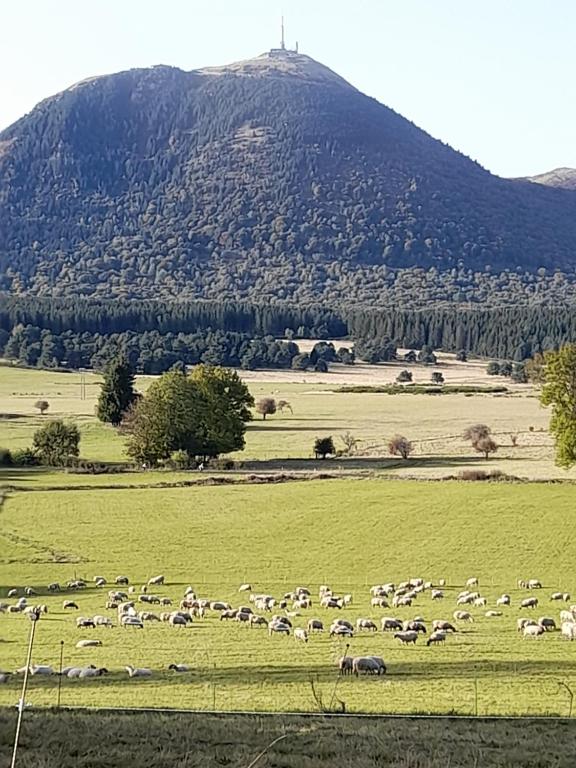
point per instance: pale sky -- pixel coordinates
(495, 79)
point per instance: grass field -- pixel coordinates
(346, 533)
(72, 739)
(434, 423)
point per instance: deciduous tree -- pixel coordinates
(56, 442)
(559, 393)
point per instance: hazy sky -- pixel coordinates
(492, 78)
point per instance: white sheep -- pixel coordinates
(156, 580)
(444, 626)
(480, 602)
(301, 634)
(278, 627)
(472, 581)
(368, 665)
(88, 643)
(91, 672)
(379, 602)
(366, 624)
(462, 616)
(492, 614)
(565, 596)
(529, 602)
(437, 594)
(438, 636)
(138, 671)
(503, 600)
(567, 616)
(521, 623)
(345, 664)
(40, 669)
(388, 624)
(568, 629)
(534, 584)
(406, 637)
(533, 630)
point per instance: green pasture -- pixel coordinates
(284, 442)
(345, 533)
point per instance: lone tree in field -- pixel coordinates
(559, 391)
(476, 432)
(266, 406)
(324, 446)
(404, 376)
(350, 443)
(437, 377)
(56, 442)
(117, 393)
(486, 446)
(42, 406)
(400, 446)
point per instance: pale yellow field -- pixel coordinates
(434, 423)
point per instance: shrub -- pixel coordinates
(404, 376)
(222, 464)
(437, 378)
(5, 458)
(400, 446)
(493, 368)
(56, 443)
(180, 460)
(324, 446)
(321, 366)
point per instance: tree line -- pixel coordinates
(245, 335)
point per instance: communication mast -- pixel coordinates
(282, 44)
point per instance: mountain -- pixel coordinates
(559, 177)
(271, 178)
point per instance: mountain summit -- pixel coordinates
(271, 178)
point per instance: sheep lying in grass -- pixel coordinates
(179, 667)
(88, 643)
(138, 671)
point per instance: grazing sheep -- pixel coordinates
(407, 637)
(345, 664)
(547, 623)
(70, 604)
(341, 631)
(179, 620)
(565, 596)
(529, 602)
(566, 616)
(533, 630)
(462, 616)
(228, 615)
(12, 592)
(96, 579)
(283, 619)
(444, 626)
(522, 584)
(315, 625)
(54, 587)
(401, 600)
(331, 602)
(30, 592)
(568, 629)
(414, 626)
(480, 602)
(437, 594)
(179, 667)
(534, 584)
(218, 605)
(503, 600)
(366, 624)
(102, 621)
(379, 602)
(124, 580)
(521, 623)
(138, 672)
(148, 616)
(472, 582)
(492, 614)
(301, 634)
(165, 601)
(131, 621)
(243, 617)
(245, 588)
(465, 600)
(101, 583)
(258, 621)
(369, 665)
(388, 624)
(83, 623)
(438, 636)
(441, 582)
(156, 580)
(343, 623)
(346, 599)
(278, 627)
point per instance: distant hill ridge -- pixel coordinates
(267, 179)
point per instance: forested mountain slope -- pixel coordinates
(268, 179)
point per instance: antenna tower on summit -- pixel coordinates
(282, 43)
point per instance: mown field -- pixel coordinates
(345, 533)
(284, 442)
(72, 739)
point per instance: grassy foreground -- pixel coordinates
(72, 739)
(346, 533)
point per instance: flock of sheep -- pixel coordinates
(280, 616)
